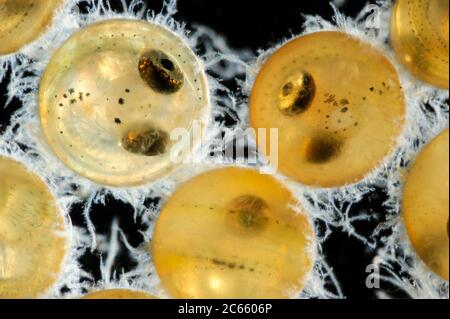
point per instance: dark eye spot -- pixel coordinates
(160, 72)
(249, 212)
(288, 88)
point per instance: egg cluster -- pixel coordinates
(105, 99)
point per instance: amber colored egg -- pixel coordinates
(232, 233)
(23, 21)
(33, 242)
(337, 104)
(119, 294)
(419, 34)
(113, 94)
(425, 205)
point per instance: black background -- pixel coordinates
(252, 25)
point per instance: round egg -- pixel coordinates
(233, 233)
(114, 94)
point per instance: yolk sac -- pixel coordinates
(232, 233)
(119, 294)
(420, 36)
(32, 241)
(151, 142)
(344, 108)
(160, 72)
(113, 93)
(426, 207)
(297, 94)
(22, 21)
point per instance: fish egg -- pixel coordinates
(425, 205)
(338, 106)
(419, 35)
(118, 294)
(33, 243)
(22, 21)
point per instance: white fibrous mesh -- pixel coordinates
(23, 140)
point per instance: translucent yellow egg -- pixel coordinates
(232, 233)
(425, 205)
(32, 234)
(337, 104)
(118, 294)
(419, 34)
(22, 21)
(112, 95)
